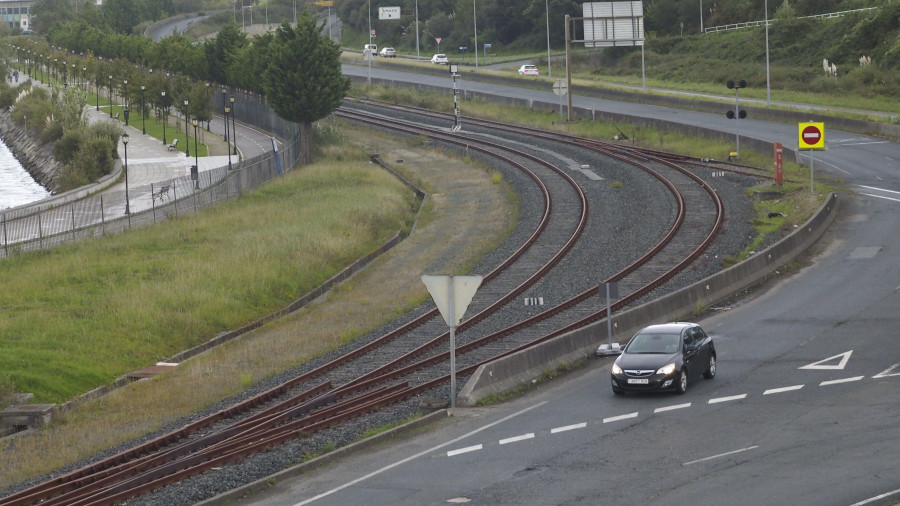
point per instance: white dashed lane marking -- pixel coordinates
(464, 450)
(514, 439)
(620, 417)
(670, 408)
(727, 399)
(674, 407)
(568, 428)
(782, 389)
(845, 380)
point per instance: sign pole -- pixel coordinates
(452, 345)
(608, 317)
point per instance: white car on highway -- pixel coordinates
(528, 70)
(440, 59)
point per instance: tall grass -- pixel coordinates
(80, 315)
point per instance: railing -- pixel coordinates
(750, 24)
(40, 226)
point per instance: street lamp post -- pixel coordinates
(225, 104)
(233, 134)
(227, 139)
(207, 105)
(125, 92)
(143, 112)
(110, 96)
(84, 78)
(195, 122)
(187, 137)
(164, 116)
(127, 208)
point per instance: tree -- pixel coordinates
(303, 80)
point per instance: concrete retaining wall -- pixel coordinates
(507, 373)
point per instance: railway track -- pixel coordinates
(412, 360)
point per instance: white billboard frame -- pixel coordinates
(388, 13)
(613, 24)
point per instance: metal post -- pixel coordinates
(475, 25)
(737, 132)
(227, 139)
(547, 8)
(233, 133)
(164, 116)
(187, 137)
(452, 312)
(127, 206)
(568, 73)
(143, 111)
(768, 88)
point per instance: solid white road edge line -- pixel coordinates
(877, 498)
(720, 455)
(420, 454)
(880, 197)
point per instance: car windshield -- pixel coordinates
(653, 342)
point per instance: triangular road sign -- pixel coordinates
(823, 364)
(452, 295)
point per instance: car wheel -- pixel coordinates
(711, 370)
(681, 382)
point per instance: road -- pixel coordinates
(803, 410)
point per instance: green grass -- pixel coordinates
(79, 315)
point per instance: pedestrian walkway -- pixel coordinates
(149, 159)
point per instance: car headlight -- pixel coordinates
(666, 370)
(616, 369)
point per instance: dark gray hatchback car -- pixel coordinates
(664, 357)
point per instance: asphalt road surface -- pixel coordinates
(804, 409)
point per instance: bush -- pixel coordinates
(88, 164)
(65, 147)
(52, 133)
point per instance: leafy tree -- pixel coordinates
(122, 15)
(303, 80)
(222, 51)
(46, 13)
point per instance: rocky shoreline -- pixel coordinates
(35, 156)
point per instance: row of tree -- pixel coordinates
(297, 68)
(526, 24)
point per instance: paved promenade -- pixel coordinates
(151, 161)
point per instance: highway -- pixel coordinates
(803, 410)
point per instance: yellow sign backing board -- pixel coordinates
(811, 136)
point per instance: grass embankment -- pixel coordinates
(467, 213)
(80, 315)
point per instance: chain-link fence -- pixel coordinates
(41, 226)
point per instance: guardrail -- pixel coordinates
(751, 24)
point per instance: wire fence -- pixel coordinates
(750, 24)
(43, 226)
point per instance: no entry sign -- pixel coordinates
(812, 136)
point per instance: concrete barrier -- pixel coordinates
(509, 372)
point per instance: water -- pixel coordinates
(17, 187)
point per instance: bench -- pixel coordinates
(161, 193)
(172, 146)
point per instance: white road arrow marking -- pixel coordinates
(821, 364)
(887, 372)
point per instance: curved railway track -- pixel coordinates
(412, 360)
